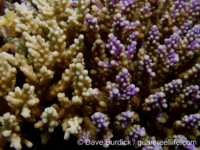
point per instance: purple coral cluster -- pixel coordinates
(116, 50)
(154, 103)
(153, 36)
(132, 37)
(119, 23)
(120, 56)
(122, 90)
(91, 22)
(188, 122)
(172, 87)
(101, 121)
(190, 96)
(193, 41)
(146, 65)
(136, 132)
(127, 5)
(115, 46)
(132, 26)
(124, 119)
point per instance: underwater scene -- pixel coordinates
(99, 74)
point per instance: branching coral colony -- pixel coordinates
(132, 67)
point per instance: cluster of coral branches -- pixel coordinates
(108, 69)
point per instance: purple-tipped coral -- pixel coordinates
(119, 23)
(122, 90)
(184, 28)
(132, 37)
(124, 119)
(188, 98)
(126, 6)
(117, 51)
(154, 103)
(101, 121)
(132, 26)
(131, 50)
(100, 69)
(192, 40)
(154, 36)
(172, 87)
(91, 22)
(190, 123)
(135, 133)
(146, 65)
(115, 46)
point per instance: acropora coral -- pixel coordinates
(100, 70)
